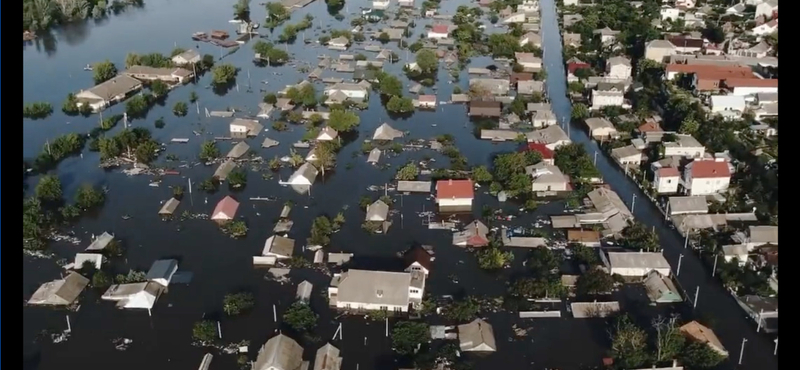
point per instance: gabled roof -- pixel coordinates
(419, 255)
(162, 269)
(101, 242)
(118, 85)
(709, 169)
(698, 332)
(542, 149)
(279, 353)
(279, 246)
(455, 189)
(327, 358)
(61, 291)
(225, 209)
(386, 132)
(377, 211)
(477, 335)
(238, 150)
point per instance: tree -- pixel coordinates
(594, 281)
(384, 37)
(300, 317)
(579, 111)
(159, 89)
(714, 33)
(462, 310)
(88, 197)
(503, 45)
(237, 178)
(689, 126)
(37, 110)
(481, 175)
(584, 255)
(398, 104)
(698, 355)
(343, 121)
(49, 189)
(270, 98)
(146, 152)
(180, 109)
(408, 172)
(427, 61)
(583, 74)
(209, 151)
(326, 156)
(235, 228)
(492, 258)
(573, 160)
(138, 105)
(193, 97)
(408, 335)
(306, 95)
(628, 344)
(159, 123)
(204, 332)
(537, 287)
(321, 229)
(389, 85)
(101, 280)
(236, 303)
(669, 339)
(109, 148)
(542, 261)
(276, 14)
(637, 236)
(104, 71)
(241, 10)
(223, 74)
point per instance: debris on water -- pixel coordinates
(520, 332)
(65, 238)
(126, 217)
(193, 216)
(121, 344)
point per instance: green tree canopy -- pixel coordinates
(427, 61)
(300, 317)
(408, 335)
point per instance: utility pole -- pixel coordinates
(758, 328)
(680, 260)
(714, 271)
(776, 347)
(595, 158)
(686, 240)
(633, 202)
(696, 293)
(741, 351)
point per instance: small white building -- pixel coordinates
(327, 134)
(350, 90)
(601, 128)
(454, 193)
(552, 136)
(241, 128)
(748, 87)
(366, 290)
(304, 176)
(380, 4)
(627, 156)
(666, 180)
(518, 17)
(378, 211)
(439, 31)
(767, 9)
(684, 146)
(546, 178)
(636, 264)
(161, 271)
(618, 67)
(669, 13)
(611, 97)
(528, 61)
(705, 177)
(737, 252)
(190, 56)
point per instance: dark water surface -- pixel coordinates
(53, 68)
(714, 303)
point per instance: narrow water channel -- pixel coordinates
(714, 303)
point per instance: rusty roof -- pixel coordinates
(455, 189)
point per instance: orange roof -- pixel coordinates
(455, 189)
(751, 82)
(225, 209)
(722, 75)
(440, 28)
(650, 127)
(427, 98)
(710, 169)
(701, 68)
(583, 236)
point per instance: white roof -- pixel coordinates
(727, 101)
(374, 287)
(652, 260)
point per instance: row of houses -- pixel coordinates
(128, 82)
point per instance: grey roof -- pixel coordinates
(651, 260)
(605, 31)
(734, 250)
(530, 86)
(374, 287)
(478, 71)
(162, 269)
(660, 44)
(611, 87)
(496, 86)
(339, 258)
(224, 169)
(374, 155)
(253, 127)
(661, 289)
(278, 245)
(238, 150)
(625, 152)
(101, 242)
(548, 135)
(116, 86)
(414, 186)
(307, 171)
(394, 33)
(188, 54)
(341, 40)
(279, 353)
(535, 107)
(304, 290)
(377, 211)
(500, 135)
(608, 202)
(544, 115)
(476, 335)
(619, 60)
(327, 358)
(61, 291)
(688, 204)
(596, 123)
(386, 132)
(269, 143)
(764, 234)
(169, 207)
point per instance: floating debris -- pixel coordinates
(122, 344)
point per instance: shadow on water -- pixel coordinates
(31, 361)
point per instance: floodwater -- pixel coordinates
(53, 68)
(714, 303)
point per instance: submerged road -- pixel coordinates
(727, 319)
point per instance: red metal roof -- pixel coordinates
(750, 82)
(650, 127)
(668, 172)
(572, 67)
(428, 98)
(440, 28)
(710, 169)
(225, 209)
(455, 189)
(542, 149)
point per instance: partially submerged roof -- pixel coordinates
(414, 186)
(582, 310)
(377, 211)
(60, 292)
(101, 242)
(374, 287)
(279, 353)
(225, 209)
(477, 336)
(162, 270)
(238, 150)
(306, 171)
(698, 332)
(652, 260)
(386, 132)
(277, 245)
(269, 143)
(224, 169)
(661, 289)
(121, 84)
(327, 358)
(169, 207)
(688, 204)
(764, 234)
(304, 290)
(419, 255)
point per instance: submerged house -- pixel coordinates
(134, 295)
(174, 75)
(242, 128)
(304, 176)
(473, 235)
(109, 92)
(169, 207)
(454, 194)
(362, 290)
(101, 242)
(224, 169)
(418, 258)
(328, 358)
(161, 271)
(238, 150)
(661, 289)
(61, 292)
(280, 353)
(225, 210)
(385, 132)
(477, 336)
(279, 247)
(377, 211)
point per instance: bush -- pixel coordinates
(180, 109)
(204, 332)
(236, 303)
(300, 317)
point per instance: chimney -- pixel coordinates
(450, 182)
